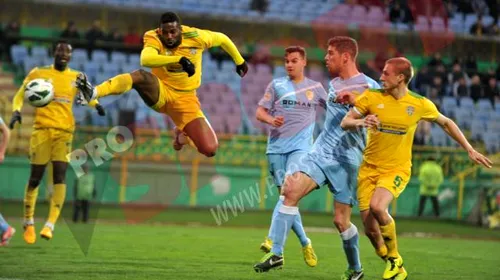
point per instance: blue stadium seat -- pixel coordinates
(110, 69)
(438, 136)
(29, 64)
(18, 54)
(484, 105)
(91, 69)
(492, 142)
(118, 58)
(449, 106)
(39, 53)
(79, 58)
(463, 118)
(478, 127)
(135, 59)
(100, 57)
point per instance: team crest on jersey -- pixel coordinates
(309, 95)
(267, 96)
(192, 51)
(168, 52)
(410, 110)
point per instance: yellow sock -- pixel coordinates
(56, 202)
(389, 234)
(381, 252)
(30, 196)
(115, 86)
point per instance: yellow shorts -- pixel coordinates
(371, 177)
(49, 144)
(182, 107)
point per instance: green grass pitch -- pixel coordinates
(186, 244)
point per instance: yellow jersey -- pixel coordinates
(194, 42)
(391, 144)
(59, 113)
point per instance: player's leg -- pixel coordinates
(6, 231)
(86, 209)
(277, 165)
(342, 178)
(295, 187)
(372, 231)
(30, 196)
(57, 199)
(202, 135)
(144, 82)
(292, 165)
(389, 186)
(40, 144)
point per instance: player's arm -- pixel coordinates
(215, 39)
(266, 103)
(5, 139)
(150, 57)
(18, 101)
(451, 128)
(359, 116)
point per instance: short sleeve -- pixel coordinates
(363, 102)
(269, 96)
(429, 112)
(151, 40)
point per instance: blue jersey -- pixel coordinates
(297, 103)
(334, 143)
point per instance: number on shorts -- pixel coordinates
(397, 181)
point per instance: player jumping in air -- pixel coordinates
(289, 106)
(51, 138)
(173, 52)
(333, 160)
(392, 115)
(6, 231)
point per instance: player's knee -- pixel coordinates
(139, 77)
(209, 150)
(341, 222)
(59, 178)
(371, 234)
(377, 209)
(290, 191)
(34, 182)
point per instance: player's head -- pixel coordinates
(397, 71)
(170, 30)
(62, 54)
(341, 53)
(295, 61)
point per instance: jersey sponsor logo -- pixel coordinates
(168, 52)
(192, 51)
(288, 103)
(410, 110)
(62, 100)
(380, 106)
(392, 128)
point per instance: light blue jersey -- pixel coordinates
(297, 103)
(334, 143)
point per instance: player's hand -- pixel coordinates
(16, 117)
(346, 98)
(242, 69)
(479, 158)
(278, 121)
(187, 66)
(100, 110)
(371, 121)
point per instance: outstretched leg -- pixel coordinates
(203, 136)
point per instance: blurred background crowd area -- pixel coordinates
(452, 44)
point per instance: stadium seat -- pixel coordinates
(463, 118)
(100, 57)
(478, 127)
(18, 54)
(484, 105)
(438, 136)
(134, 59)
(466, 103)
(39, 53)
(492, 142)
(91, 69)
(449, 106)
(110, 69)
(29, 64)
(118, 58)
(79, 58)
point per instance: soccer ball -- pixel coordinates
(39, 92)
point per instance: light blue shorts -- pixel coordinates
(341, 178)
(281, 165)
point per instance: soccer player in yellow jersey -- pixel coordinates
(391, 116)
(173, 52)
(51, 138)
